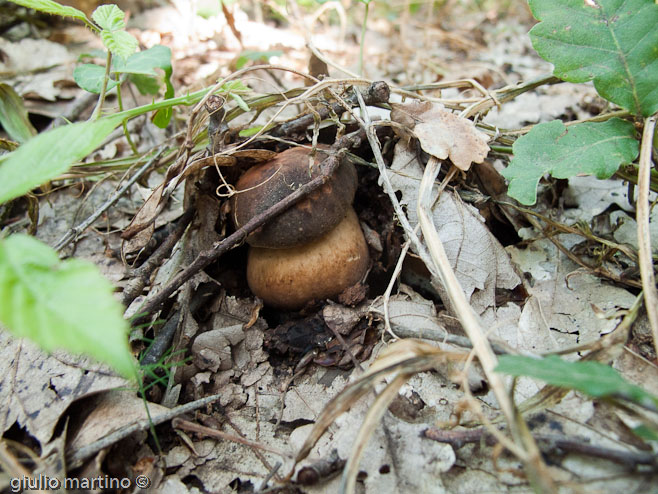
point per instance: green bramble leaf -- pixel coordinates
(144, 62)
(13, 115)
(586, 148)
(613, 42)
(50, 7)
(47, 155)
(146, 84)
(593, 378)
(140, 68)
(109, 18)
(120, 43)
(90, 77)
(61, 304)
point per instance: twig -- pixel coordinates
(271, 474)
(388, 188)
(341, 340)
(142, 275)
(643, 231)
(74, 232)
(75, 458)
(327, 167)
(186, 425)
(599, 271)
(377, 92)
(391, 284)
(328, 61)
(547, 443)
(161, 342)
(443, 336)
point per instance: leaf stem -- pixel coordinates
(106, 78)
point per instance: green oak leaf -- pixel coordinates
(61, 304)
(592, 148)
(613, 42)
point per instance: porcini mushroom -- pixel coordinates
(312, 251)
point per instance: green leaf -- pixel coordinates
(614, 42)
(90, 77)
(646, 433)
(120, 43)
(61, 304)
(49, 154)
(241, 103)
(109, 17)
(141, 65)
(145, 84)
(250, 131)
(587, 148)
(235, 87)
(255, 56)
(144, 62)
(50, 7)
(595, 379)
(13, 115)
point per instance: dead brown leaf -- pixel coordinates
(37, 388)
(442, 133)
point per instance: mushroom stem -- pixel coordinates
(324, 268)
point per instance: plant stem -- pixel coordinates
(363, 37)
(643, 229)
(502, 149)
(106, 78)
(188, 99)
(124, 124)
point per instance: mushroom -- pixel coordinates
(312, 251)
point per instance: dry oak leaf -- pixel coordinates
(442, 133)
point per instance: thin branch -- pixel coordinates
(548, 443)
(74, 232)
(75, 458)
(214, 433)
(142, 275)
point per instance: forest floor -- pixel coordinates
(533, 277)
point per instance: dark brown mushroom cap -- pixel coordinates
(266, 184)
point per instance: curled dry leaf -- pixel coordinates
(442, 133)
